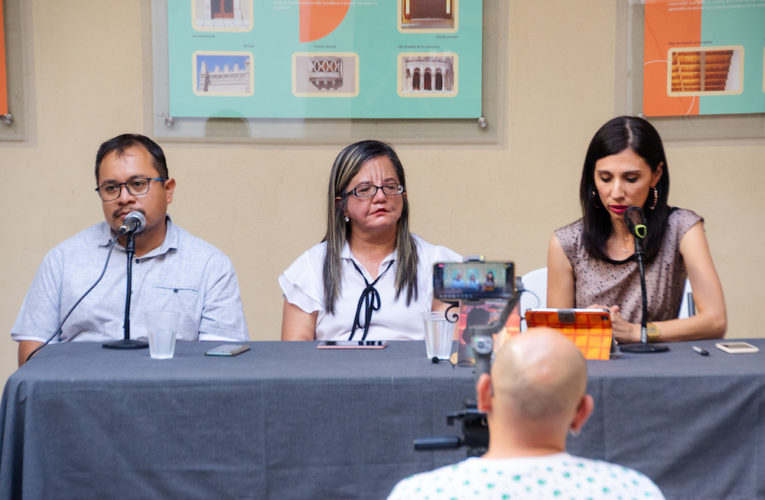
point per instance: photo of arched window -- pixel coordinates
(427, 74)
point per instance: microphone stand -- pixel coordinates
(127, 342)
(644, 346)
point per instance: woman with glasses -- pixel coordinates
(370, 279)
(592, 262)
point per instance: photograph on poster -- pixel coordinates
(705, 71)
(221, 15)
(434, 16)
(325, 74)
(427, 74)
(223, 73)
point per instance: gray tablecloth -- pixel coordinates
(286, 420)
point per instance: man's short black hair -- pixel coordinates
(120, 143)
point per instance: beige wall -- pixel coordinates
(502, 201)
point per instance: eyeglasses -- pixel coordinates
(137, 186)
(370, 191)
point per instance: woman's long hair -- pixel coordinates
(346, 166)
(618, 134)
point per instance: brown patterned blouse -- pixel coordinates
(612, 282)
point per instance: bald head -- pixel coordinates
(538, 376)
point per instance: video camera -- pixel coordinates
(475, 281)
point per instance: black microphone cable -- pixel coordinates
(58, 330)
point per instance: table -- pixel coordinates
(286, 420)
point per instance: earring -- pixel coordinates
(347, 219)
(655, 200)
(595, 199)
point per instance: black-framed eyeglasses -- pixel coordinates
(137, 186)
(368, 191)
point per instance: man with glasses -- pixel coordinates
(173, 270)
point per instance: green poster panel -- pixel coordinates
(325, 58)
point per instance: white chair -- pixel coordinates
(687, 307)
(536, 282)
(536, 297)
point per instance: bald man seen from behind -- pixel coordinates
(533, 399)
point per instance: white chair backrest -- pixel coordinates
(536, 282)
(687, 307)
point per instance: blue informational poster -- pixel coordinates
(325, 58)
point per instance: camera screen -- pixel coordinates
(473, 280)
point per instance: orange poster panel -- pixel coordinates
(3, 79)
(667, 26)
(319, 18)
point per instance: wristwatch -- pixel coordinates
(652, 329)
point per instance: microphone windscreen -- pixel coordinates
(134, 222)
(635, 220)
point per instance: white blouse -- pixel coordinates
(302, 286)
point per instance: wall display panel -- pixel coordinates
(691, 68)
(16, 82)
(325, 59)
(703, 57)
(417, 71)
(3, 80)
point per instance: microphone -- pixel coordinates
(134, 223)
(635, 220)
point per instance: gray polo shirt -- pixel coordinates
(184, 274)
